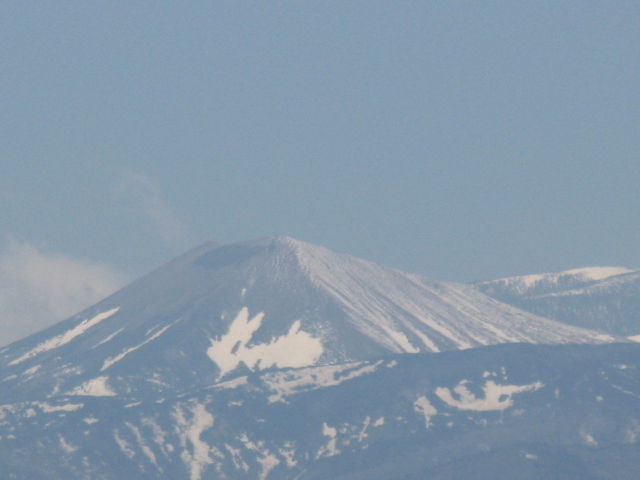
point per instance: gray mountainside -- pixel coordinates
(599, 298)
(277, 359)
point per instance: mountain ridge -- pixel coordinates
(272, 302)
(601, 298)
(275, 358)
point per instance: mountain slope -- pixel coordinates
(599, 298)
(218, 311)
(277, 359)
(518, 411)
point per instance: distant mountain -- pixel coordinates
(277, 359)
(275, 302)
(599, 298)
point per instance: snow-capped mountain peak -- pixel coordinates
(280, 359)
(221, 310)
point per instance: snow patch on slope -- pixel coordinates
(96, 387)
(230, 384)
(66, 337)
(110, 361)
(108, 338)
(496, 397)
(284, 384)
(189, 432)
(67, 447)
(70, 407)
(330, 449)
(236, 458)
(423, 406)
(267, 460)
(402, 340)
(32, 370)
(124, 446)
(292, 350)
(142, 444)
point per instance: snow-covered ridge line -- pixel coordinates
(597, 273)
(341, 276)
(406, 313)
(66, 337)
(587, 274)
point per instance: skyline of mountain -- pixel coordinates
(275, 358)
(601, 298)
(490, 287)
(273, 302)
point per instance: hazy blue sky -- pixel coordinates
(459, 140)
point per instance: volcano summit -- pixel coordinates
(280, 359)
(221, 310)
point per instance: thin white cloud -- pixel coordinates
(144, 194)
(39, 288)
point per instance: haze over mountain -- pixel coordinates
(260, 360)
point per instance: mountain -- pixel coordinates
(518, 411)
(275, 302)
(278, 359)
(599, 298)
